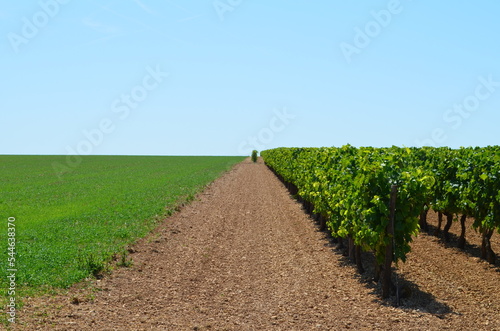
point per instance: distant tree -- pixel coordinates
(254, 155)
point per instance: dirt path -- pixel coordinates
(244, 256)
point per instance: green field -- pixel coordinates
(69, 227)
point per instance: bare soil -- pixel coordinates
(245, 256)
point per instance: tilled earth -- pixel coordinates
(244, 256)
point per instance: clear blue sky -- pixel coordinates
(171, 77)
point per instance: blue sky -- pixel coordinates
(171, 77)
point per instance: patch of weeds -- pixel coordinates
(94, 265)
(190, 197)
(124, 261)
(90, 297)
(4, 322)
(154, 237)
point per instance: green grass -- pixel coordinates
(68, 228)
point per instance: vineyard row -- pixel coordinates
(349, 189)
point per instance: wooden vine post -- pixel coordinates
(389, 249)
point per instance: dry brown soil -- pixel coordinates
(244, 256)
